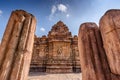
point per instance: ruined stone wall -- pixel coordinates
(16, 46)
(98, 48)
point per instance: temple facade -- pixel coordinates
(57, 52)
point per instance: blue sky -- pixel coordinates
(48, 12)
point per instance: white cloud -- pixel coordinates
(57, 10)
(67, 15)
(42, 29)
(62, 8)
(1, 12)
(53, 10)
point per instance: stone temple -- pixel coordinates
(57, 52)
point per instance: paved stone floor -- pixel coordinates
(45, 76)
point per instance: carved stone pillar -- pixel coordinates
(97, 64)
(110, 30)
(16, 46)
(92, 56)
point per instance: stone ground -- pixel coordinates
(45, 76)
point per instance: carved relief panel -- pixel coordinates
(61, 50)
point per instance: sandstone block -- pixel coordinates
(92, 56)
(16, 46)
(110, 30)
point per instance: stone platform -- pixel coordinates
(45, 76)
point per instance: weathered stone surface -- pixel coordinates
(93, 59)
(57, 52)
(16, 46)
(92, 55)
(110, 30)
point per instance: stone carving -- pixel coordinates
(55, 51)
(16, 46)
(59, 51)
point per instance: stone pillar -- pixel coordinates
(92, 55)
(16, 46)
(110, 30)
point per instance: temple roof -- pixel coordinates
(60, 23)
(59, 27)
(59, 30)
